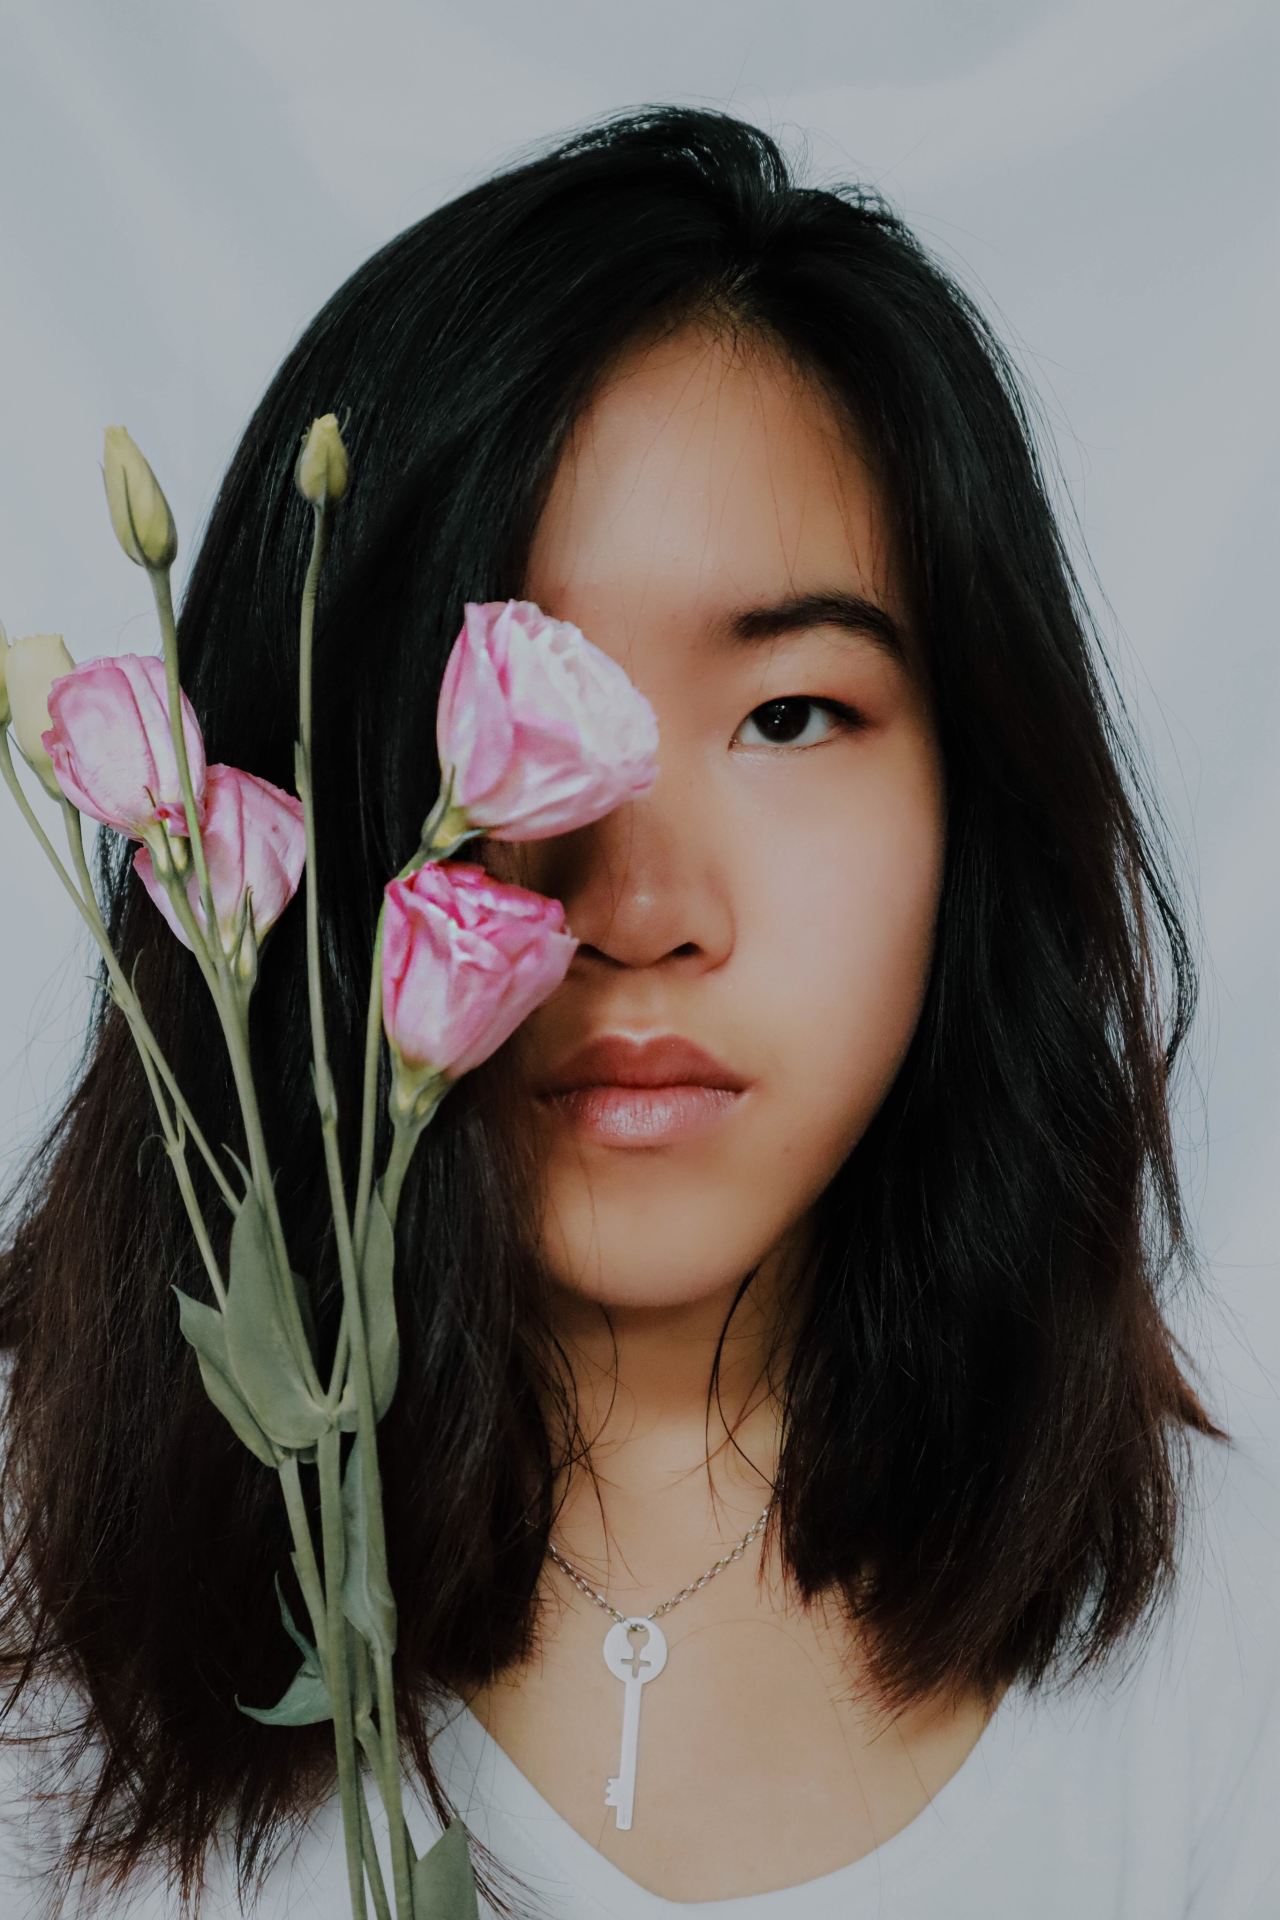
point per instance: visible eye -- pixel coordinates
(780, 719)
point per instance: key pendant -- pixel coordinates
(633, 1662)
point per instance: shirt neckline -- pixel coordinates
(928, 1843)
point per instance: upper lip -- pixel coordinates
(657, 1060)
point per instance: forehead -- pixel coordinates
(699, 480)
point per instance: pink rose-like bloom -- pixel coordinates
(545, 731)
(253, 835)
(465, 958)
(110, 741)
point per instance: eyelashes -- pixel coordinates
(848, 719)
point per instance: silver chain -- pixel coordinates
(675, 1599)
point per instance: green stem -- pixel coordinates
(398, 1832)
(317, 1607)
(357, 1826)
(366, 1420)
(372, 1037)
(326, 1093)
(308, 1570)
(404, 1140)
(440, 837)
(428, 849)
(174, 1143)
(365, 1734)
(313, 1594)
(372, 1863)
(372, 1048)
(87, 907)
(229, 1002)
(175, 1148)
(336, 1667)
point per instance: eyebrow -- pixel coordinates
(850, 611)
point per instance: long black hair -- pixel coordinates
(983, 1397)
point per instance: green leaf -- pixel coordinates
(377, 1293)
(310, 1658)
(245, 1174)
(262, 1361)
(443, 1883)
(366, 1595)
(203, 1327)
(304, 1701)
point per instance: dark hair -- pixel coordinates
(982, 1394)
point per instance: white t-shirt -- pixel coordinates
(1151, 1794)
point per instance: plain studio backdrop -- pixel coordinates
(182, 188)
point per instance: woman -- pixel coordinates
(867, 1372)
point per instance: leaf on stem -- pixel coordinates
(304, 1701)
(444, 1886)
(203, 1327)
(262, 1360)
(366, 1593)
(300, 1640)
(377, 1292)
(245, 1175)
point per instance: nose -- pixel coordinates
(644, 884)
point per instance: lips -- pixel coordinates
(658, 1060)
(642, 1116)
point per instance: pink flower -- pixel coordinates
(253, 837)
(111, 744)
(545, 731)
(464, 959)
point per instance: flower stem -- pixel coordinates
(175, 1144)
(433, 845)
(87, 907)
(336, 1668)
(372, 1862)
(231, 1008)
(317, 1606)
(372, 1040)
(366, 1419)
(300, 1525)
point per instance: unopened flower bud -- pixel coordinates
(321, 470)
(139, 511)
(245, 962)
(31, 666)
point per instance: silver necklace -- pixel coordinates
(636, 1666)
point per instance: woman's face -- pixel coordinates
(773, 896)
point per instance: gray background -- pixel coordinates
(181, 189)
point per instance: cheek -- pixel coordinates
(854, 899)
(850, 943)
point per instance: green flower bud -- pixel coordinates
(31, 666)
(139, 511)
(321, 470)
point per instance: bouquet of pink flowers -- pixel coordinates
(537, 732)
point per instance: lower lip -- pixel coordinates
(642, 1116)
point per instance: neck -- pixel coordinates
(676, 1470)
(667, 1489)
